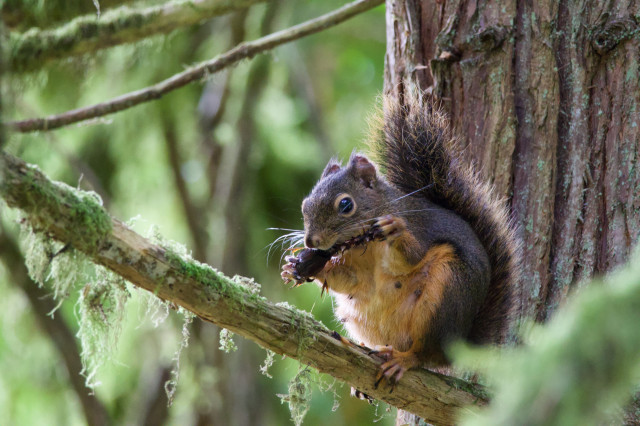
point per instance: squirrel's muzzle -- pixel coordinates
(312, 240)
(319, 239)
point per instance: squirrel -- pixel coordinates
(415, 259)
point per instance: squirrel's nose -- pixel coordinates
(312, 241)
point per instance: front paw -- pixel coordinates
(388, 227)
(306, 266)
(289, 273)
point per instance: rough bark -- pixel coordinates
(545, 97)
(80, 221)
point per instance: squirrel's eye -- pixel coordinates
(345, 205)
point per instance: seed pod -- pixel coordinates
(308, 263)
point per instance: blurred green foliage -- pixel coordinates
(314, 105)
(580, 368)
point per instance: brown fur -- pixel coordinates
(417, 149)
(449, 264)
(374, 308)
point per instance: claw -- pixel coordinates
(387, 226)
(384, 351)
(394, 368)
(325, 287)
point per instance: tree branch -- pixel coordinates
(22, 14)
(242, 51)
(197, 229)
(88, 34)
(75, 218)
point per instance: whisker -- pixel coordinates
(354, 226)
(383, 205)
(401, 197)
(296, 235)
(411, 193)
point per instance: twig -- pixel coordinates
(232, 257)
(211, 108)
(303, 85)
(242, 51)
(66, 215)
(88, 34)
(193, 217)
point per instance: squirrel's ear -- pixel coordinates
(363, 169)
(331, 168)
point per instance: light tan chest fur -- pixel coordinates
(383, 303)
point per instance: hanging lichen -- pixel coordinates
(49, 262)
(171, 385)
(157, 310)
(38, 251)
(268, 362)
(67, 269)
(299, 396)
(226, 341)
(100, 316)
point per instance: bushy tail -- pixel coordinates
(418, 150)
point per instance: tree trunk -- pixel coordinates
(545, 98)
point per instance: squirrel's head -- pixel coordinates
(343, 202)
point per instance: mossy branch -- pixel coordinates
(23, 14)
(71, 217)
(196, 73)
(87, 34)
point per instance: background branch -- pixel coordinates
(70, 217)
(24, 14)
(242, 51)
(192, 214)
(90, 33)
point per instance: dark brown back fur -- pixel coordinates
(418, 151)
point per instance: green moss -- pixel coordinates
(89, 33)
(467, 386)
(28, 49)
(197, 271)
(21, 14)
(237, 290)
(50, 203)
